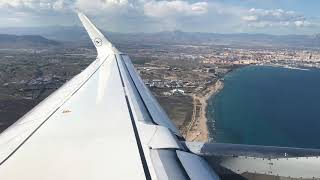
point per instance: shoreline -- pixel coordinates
(197, 130)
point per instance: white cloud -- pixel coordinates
(101, 4)
(261, 18)
(174, 8)
(60, 5)
(304, 24)
(32, 4)
(275, 15)
(250, 18)
(299, 23)
(154, 15)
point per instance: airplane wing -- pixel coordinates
(105, 124)
(102, 124)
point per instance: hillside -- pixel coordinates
(26, 41)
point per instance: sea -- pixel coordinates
(264, 105)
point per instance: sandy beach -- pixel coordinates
(197, 129)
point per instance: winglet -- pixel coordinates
(103, 45)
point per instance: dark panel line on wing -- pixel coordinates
(143, 158)
(135, 130)
(23, 142)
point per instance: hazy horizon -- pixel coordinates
(76, 27)
(275, 17)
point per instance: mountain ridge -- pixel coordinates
(26, 41)
(77, 34)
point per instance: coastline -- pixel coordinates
(197, 130)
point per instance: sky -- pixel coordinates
(215, 16)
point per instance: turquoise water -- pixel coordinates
(267, 106)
